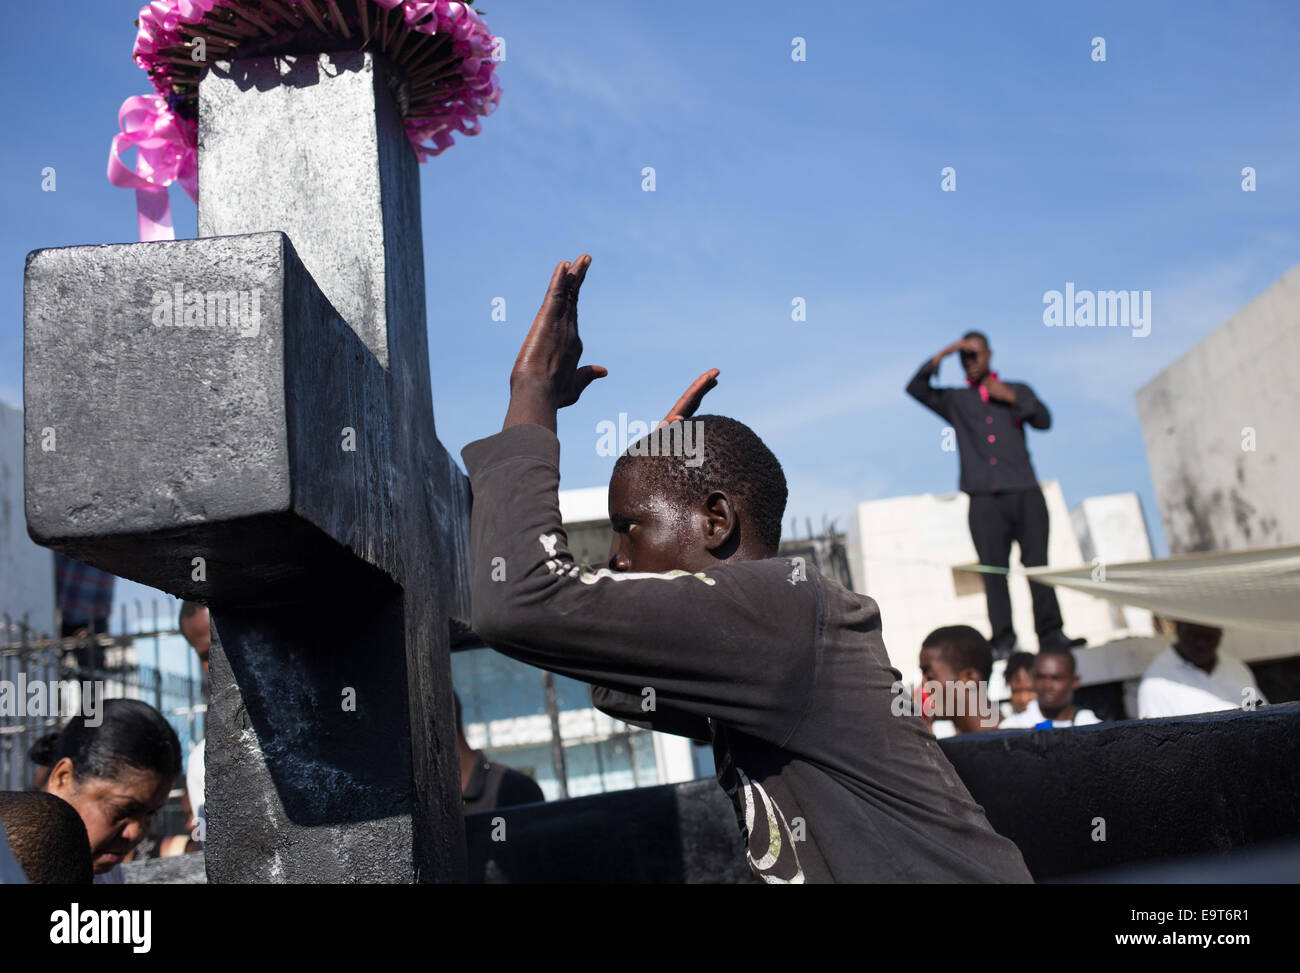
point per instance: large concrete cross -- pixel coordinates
(246, 420)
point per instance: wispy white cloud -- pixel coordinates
(1108, 366)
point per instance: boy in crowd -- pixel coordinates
(956, 664)
(1055, 681)
(1019, 677)
(697, 626)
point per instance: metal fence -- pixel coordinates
(826, 550)
(108, 664)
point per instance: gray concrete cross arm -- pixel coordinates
(203, 399)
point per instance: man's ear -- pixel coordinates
(721, 523)
(1077, 680)
(969, 674)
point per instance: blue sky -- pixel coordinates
(777, 179)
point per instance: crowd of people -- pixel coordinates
(1191, 676)
(97, 787)
(786, 673)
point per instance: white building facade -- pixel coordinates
(908, 553)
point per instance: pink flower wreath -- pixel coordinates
(442, 48)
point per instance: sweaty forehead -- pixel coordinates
(635, 490)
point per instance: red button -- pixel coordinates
(992, 438)
(989, 420)
(993, 461)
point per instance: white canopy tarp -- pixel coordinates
(1255, 590)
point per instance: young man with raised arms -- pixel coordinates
(782, 668)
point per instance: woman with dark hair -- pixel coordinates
(41, 755)
(117, 775)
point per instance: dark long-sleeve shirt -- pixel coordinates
(990, 435)
(831, 778)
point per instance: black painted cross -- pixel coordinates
(246, 420)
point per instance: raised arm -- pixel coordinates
(546, 376)
(920, 388)
(735, 642)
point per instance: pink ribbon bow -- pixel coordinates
(165, 143)
(166, 152)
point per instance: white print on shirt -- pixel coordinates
(735, 782)
(568, 569)
(774, 829)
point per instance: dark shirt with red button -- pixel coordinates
(990, 434)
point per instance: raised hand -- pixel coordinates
(687, 405)
(961, 344)
(546, 375)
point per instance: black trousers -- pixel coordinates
(997, 519)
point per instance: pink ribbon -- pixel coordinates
(165, 153)
(165, 143)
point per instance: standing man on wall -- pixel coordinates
(1006, 503)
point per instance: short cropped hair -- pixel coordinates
(962, 647)
(735, 462)
(1019, 662)
(1063, 652)
(977, 334)
(47, 837)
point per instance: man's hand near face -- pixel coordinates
(999, 390)
(971, 345)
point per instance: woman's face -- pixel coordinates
(117, 811)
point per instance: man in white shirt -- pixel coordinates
(1055, 681)
(1192, 677)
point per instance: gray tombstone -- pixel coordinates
(246, 420)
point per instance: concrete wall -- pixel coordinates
(26, 570)
(1220, 432)
(1113, 529)
(1199, 415)
(904, 552)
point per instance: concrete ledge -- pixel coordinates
(675, 833)
(1164, 788)
(1209, 786)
